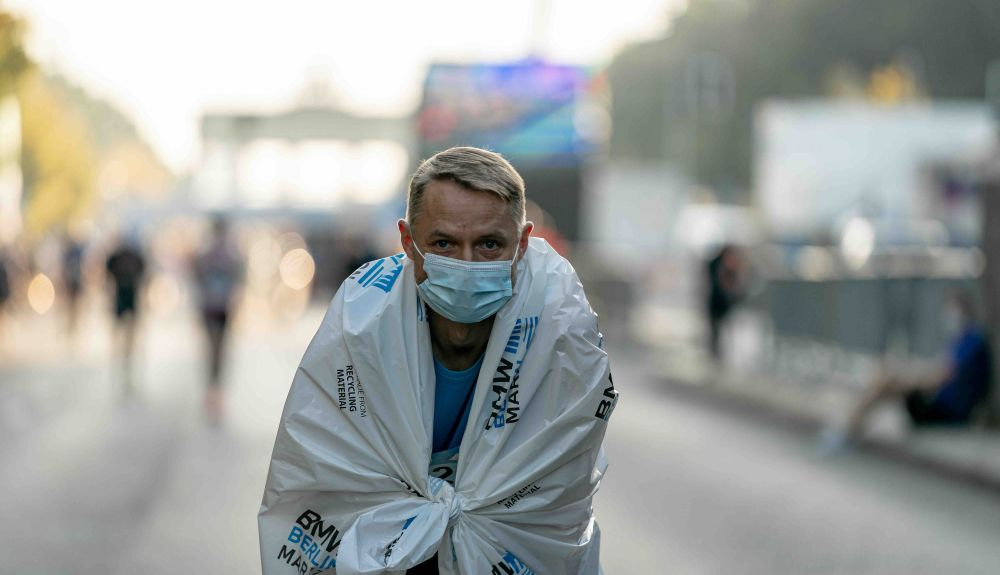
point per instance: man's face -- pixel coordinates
(953, 317)
(461, 224)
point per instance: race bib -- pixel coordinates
(444, 465)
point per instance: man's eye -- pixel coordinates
(441, 244)
(491, 244)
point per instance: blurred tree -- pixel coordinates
(126, 164)
(70, 142)
(13, 60)
(57, 158)
(892, 49)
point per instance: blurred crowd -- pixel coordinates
(217, 271)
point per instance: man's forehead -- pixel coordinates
(450, 209)
(430, 224)
(448, 193)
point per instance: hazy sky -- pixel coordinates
(164, 63)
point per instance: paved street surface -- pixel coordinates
(97, 483)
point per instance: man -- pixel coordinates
(452, 223)
(218, 273)
(72, 276)
(946, 395)
(370, 428)
(126, 269)
(725, 289)
(5, 280)
(447, 219)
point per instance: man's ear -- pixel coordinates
(523, 240)
(405, 239)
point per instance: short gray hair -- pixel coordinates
(474, 169)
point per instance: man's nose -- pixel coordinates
(466, 253)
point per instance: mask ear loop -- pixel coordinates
(413, 242)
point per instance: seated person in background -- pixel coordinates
(947, 395)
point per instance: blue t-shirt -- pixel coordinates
(971, 372)
(453, 391)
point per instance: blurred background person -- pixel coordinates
(5, 282)
(726, 287)
(218, 273)
(126, 269)
(4, 278)
(360, 252)
(948, 394)
(72, 278)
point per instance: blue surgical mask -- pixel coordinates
(465, 292)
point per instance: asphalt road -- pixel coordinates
(96, 483)
(696, 488)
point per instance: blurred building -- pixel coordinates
(302, 160)
(334, 177)
(873, 215)
(820, 163)
(864, 217)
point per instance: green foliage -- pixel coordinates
(109, 127)
(788, 49)
(67, 139)
(13, 60)
(58, 159)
